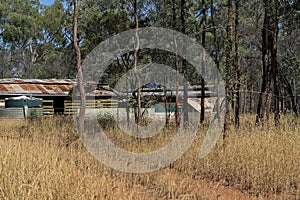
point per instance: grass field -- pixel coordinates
(45, 159)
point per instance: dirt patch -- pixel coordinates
(217, 191)
(206, 189)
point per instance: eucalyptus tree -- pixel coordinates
(277, 14)
(21, 30)
(79, 70)
(56, 47)
(35, 39)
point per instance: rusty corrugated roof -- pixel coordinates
(17, 86)
(37, 81)
(41, 87)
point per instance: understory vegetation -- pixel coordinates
(45, 159)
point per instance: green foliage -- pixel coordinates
(98, 26)
(34, 37)
(36, 40)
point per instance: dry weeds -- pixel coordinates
(44, 159)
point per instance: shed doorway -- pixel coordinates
(58, 104)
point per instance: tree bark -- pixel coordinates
(202, 111)
(184, 67)
(270, 70)
(177, 119)
(217, 56)
(275, 70)
(79, 70)
(238, 66)
(228, 72)
(138, 83)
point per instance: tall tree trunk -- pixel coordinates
(79, 70)
(202, 111)
(275, 67)
(266, 76)
(238, 66)
(177, 119)
(138, 83)
(228, 72)
(270, 70)
(217, 56)
(184, 67)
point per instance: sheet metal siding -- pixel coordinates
(18, 113)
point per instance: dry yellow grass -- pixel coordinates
(260, 160)
(44, 159)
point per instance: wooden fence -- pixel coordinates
(72, 107)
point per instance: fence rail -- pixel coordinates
(2, 103)
(48, 108)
